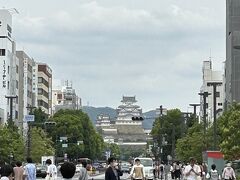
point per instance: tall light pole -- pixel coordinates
(11, 105)
(204, 95)
(214, 85)
(194, 109)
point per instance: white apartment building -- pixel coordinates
(210, 75)
(8, 68)
(42, 87)
(65, 97)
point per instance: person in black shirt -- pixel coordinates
(113, 172)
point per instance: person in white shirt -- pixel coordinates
(228, 172)
(51, 170)
(192, 171)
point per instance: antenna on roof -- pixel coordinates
(13, 11)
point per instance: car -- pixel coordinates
(78, 168)
(41, 171)
(125, 167)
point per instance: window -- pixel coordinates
(17, 84)
(16, 114)
(16, 68)
(17, 100)
(8, 85)
(40, 80)
(2, 52)
(217, 94)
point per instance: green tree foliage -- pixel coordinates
(229, 125)
(11, 143)
(40, 118)
(192, 144)
(76, 126)
(171, 127)
(41, 145)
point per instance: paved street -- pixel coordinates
(101, 177)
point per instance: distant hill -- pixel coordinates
(93, 112)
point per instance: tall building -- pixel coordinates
(26, 97)
(65, 97)
(8, 69)
(42, 86)
(211, 76)
(232, 65)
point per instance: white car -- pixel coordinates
(78, 167)
(148, 167)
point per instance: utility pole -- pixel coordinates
(214, 85)
(204, 95)
(10, 98)
(194, 109)
(30, 108)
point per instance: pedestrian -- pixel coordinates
(161, 170)
(2, 163)
(51, 170)
(67, 170)
(83, 172)
(137, 171)
(192, 171)
(6, 172)
(228, 172)
(172, 171)
(213, 174)
(177, 170)
(30, 170)
(113, 172)
(18, 171)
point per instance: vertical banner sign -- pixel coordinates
(4, 75)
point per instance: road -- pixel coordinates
(100, 177)
(97, 177)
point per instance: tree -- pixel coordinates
(167, 128)
(229, 124)
(76, 126)
(41, 145)
(192, 144)
(12, 144)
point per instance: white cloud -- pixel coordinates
(153, 50)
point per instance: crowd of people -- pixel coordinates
(193, 171)
(189, 171)
(16, 171)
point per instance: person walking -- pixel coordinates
(177, 170)
(67, 170)
(137, 171)
(192, 171)
(18, 171)
(30, 170)
(6, 172)
(228, 172)
(51, 170)
(83, 172)
(113, 172)
(213, 174)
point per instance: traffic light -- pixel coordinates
(136, 118)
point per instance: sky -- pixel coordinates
(151, 49)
